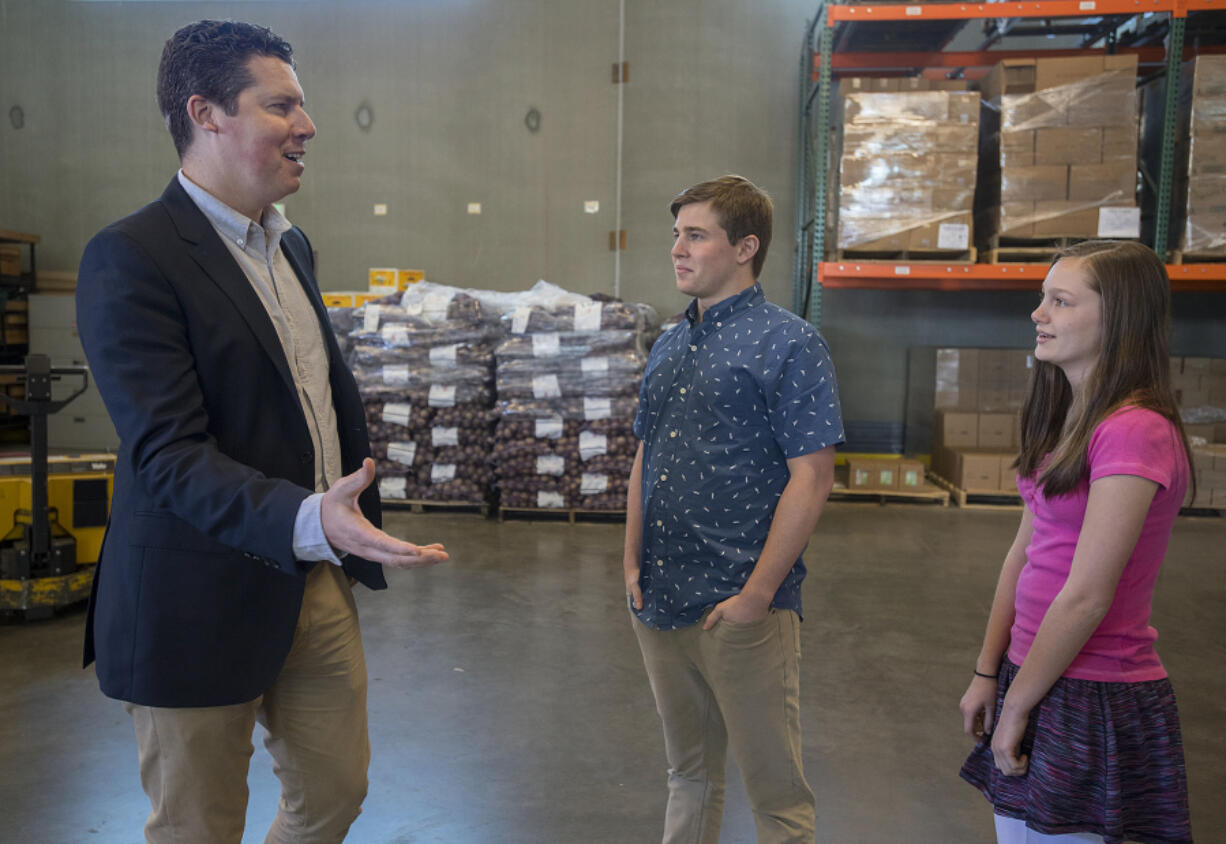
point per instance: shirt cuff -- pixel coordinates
(309, 540)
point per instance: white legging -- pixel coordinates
(1013, 831)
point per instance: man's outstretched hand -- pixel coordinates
(347, 530)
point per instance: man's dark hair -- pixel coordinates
(210, 58)
(742, 207)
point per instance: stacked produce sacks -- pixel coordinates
(568, 373)
(424, 365)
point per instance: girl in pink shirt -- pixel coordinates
(1078, 730)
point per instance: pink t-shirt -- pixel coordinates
(1131, 441)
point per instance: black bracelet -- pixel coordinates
(986, 676)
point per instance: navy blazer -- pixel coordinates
(197, 591)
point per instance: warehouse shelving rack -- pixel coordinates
(932, 25)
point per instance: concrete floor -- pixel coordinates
(509, 704)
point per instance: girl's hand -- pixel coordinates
(1007, 742)
(978, 707)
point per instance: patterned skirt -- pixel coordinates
(1105, 758)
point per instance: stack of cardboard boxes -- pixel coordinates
(1201, 143)
(1209, 463)
(1200, 389)
(1199, 383)
(976, 429)
(873, 474)
(1060, 143)
(908, 165)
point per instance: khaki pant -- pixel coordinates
(193, 761)
(735, 686)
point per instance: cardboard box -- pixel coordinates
(1022, 184)
(10, 259)
(996, 430)
(1008, 474)
(910, 475)
(957, 379)
(1114, 183)
(406, 277)
(978, 471)
(1065, 218)
(1119, 142)
(955, 429)
(381, 277)
(1068, 145)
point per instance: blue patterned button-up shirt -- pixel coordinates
(724, 404)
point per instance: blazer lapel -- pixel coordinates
(207, 250)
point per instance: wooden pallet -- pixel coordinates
(1181, 257)
(1203, 512)
(417, 505)
(979, 499)
(572, 514)
(927, 494)
(909, 256)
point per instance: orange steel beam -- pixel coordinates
(878, 275)
(1038, 9)
(986, 58)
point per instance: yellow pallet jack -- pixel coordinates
(45, 565)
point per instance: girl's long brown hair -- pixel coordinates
(1133, 366)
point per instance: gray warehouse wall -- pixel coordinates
(712, 90)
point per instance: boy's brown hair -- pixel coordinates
(742, 207)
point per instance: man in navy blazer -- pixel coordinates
(243, 510)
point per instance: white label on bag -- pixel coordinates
(1119, 222)
(550, 428)
(595, 366)
(587, 316)
(551, 500)
(392, 488)
(519, 320)
(372, 319)
(402, 453)
(441, 395)
(436, 304)
(593, 484)
(592, 445)
(953, 236)
(443, 437)
(443, 354)
(441, 473)
(550, 464)
(545, 345)
(397, 414)
(597, 408)
(546, 387)
(413, 308)
(397, 374)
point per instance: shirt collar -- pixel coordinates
(725, 308)
(233, 225)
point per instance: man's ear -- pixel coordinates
(746, 248)
(202, 112)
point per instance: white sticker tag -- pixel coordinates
(1087, 6)
(402, 452)
(550, 464)
(396, 374)
(441, 395)
(435, 304)
(597, 408)
(443, 354)
(441, 473)
(546, 387)
(587, 316)
(391, 487)
(551, 500)
(915, 11)
(519, 320)
(397, 414)
(595, 366)
(1119, 222)
(902, 269)
(549, 429)
(443, 437)
(394, 335)
(593, 484)
(953, 236)
(372, 319)
(545, 345)
(592, 445)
